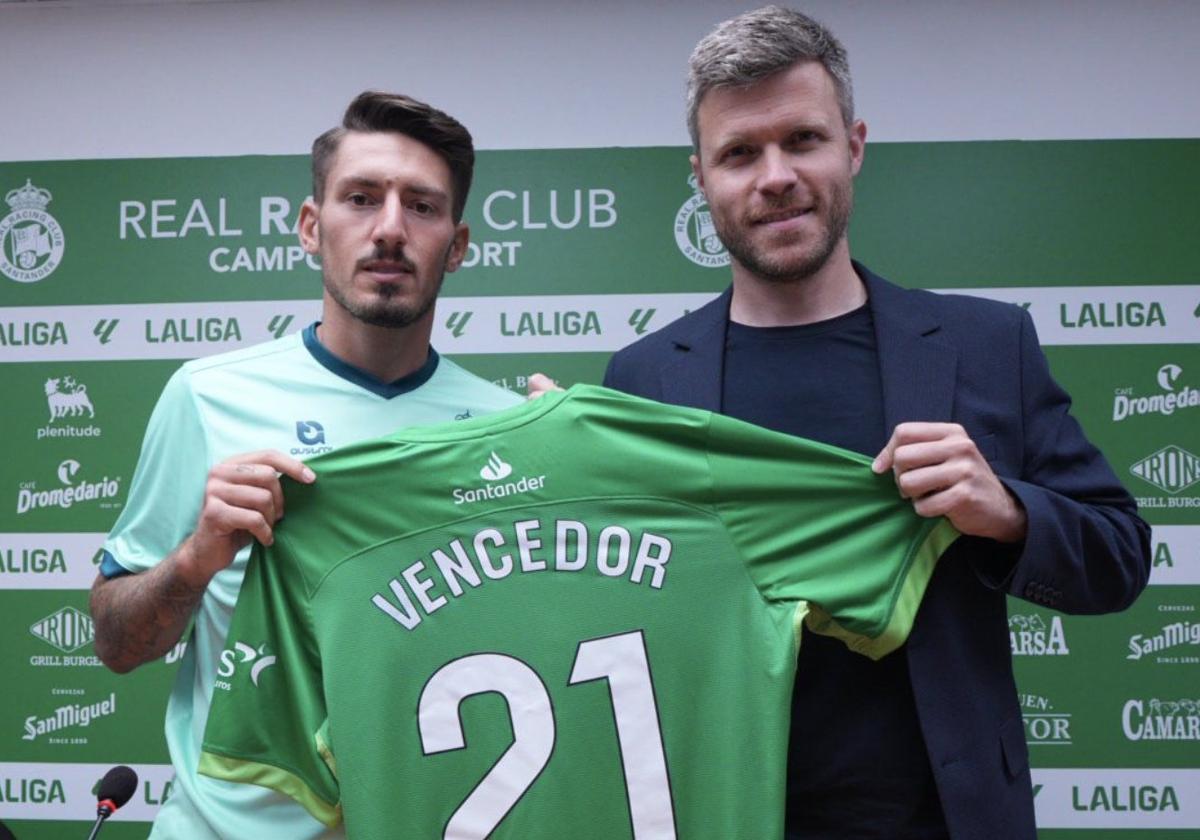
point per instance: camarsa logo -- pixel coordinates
(695, 233)
(31, 241)
(1161, 720)
(1030, 635)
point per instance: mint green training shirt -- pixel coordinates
(294, 396)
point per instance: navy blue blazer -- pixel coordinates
(954, 358)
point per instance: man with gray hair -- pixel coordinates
(951, 394)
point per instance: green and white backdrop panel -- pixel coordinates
(112, 272)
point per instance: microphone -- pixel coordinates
(115, 789)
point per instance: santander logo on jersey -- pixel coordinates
(496, 469)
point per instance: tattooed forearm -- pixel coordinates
(138, 618)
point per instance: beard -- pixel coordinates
(772, 263)
(386, 307)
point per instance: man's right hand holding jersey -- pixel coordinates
(139, 617)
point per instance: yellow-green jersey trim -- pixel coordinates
(268, 775)
(324, 749)
(908, 599)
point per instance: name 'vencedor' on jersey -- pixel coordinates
(578, 617)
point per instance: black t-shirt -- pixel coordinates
(858, 767)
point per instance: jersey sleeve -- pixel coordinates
(268, 724)
(815, 526)
(168, 484)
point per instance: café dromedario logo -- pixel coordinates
(31, 240)
(695, 233)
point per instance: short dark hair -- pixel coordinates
(374, 110)
(755, 45)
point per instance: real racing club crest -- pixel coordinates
(695, 233)
(31, 241)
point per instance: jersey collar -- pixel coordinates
(360, 377)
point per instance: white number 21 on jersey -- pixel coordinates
(620, 659)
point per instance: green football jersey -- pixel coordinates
(578, 617)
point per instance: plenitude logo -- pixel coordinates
(69, 405)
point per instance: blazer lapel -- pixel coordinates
(917, 368)
(695, 375)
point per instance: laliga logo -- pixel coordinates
(31, 241)
(695, 233)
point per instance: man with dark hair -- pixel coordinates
(952, 394)
(389, 189)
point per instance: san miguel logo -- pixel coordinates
(695, 233)
(31, 241)
(1179, 634)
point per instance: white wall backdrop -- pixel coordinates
(130, 78)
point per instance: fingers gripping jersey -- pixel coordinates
(575, 618)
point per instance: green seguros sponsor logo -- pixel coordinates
(1174, 396)
(31, 241)
(72, 492)
(1161, 720)
(695, 233)
(67, 630)
(242, 653)
(1029, 635)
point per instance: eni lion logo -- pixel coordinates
(67, 398)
